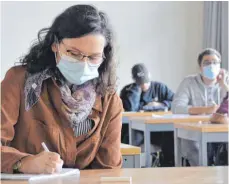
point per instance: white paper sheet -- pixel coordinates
(64, 172)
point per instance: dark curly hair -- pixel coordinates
(76, 21)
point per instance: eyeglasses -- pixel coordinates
(210, 62)
(92, 60)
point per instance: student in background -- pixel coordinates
(148, 95)
(63, 94)
(200, 94)
(144, 94)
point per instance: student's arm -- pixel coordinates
(166, 95)
(202, 110)
(180, 104)
(221, 115)
(109, 153)
(131, 98)
(219, 118)
(10, 103)
(11, 89)
(223, 109)
(223, 79)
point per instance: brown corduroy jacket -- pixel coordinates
(22, 132)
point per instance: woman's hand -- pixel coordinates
(44, 162)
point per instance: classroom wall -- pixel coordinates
(166, 36)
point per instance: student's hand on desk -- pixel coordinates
(219, 118)
(155, 104)
(203, 110)
(44, 162)
(212, 109)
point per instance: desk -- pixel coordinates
(202, 133)
(127, 115)
(131, 156)
(125, 121)
(185, 175)
(158, 124)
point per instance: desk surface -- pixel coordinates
(130, 150)
(204, 127)
(187, 175)
(171, 118)
(140, 114)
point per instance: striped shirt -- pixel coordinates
(84, 127)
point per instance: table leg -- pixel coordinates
(177, 149)
(147, 146)
(131, 134)
(203, 155)
(137, 161)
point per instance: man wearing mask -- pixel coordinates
(201, 93)
(146, 95)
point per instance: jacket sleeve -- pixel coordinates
(109, 153)
(180, 104)
(131, 96)
(223, 109)
(166, 96)
(10, 103)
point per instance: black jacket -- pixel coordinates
(134, 99)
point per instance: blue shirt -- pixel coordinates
(134, 99)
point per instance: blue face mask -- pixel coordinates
(211, 71)
(77, 72)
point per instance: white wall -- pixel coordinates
(166, 36)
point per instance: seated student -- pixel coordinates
(63, 94)
(200, 94)
(146, 95)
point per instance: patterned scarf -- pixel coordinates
(77, 100)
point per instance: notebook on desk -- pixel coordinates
(64, 172)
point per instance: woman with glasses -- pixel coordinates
(201, 94)
(63, 94)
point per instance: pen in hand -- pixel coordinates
(59, 167)
(45, 147)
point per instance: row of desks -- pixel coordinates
(188, 127)
(188, 175)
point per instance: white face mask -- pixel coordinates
(77, 72)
